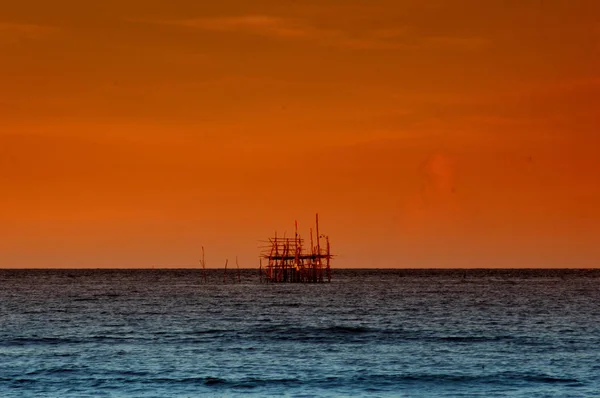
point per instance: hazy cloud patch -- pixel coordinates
(435, 206)
(456, 43)
(12, 33)
(390, 37)
(257, 24)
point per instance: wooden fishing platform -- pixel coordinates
(289, 261)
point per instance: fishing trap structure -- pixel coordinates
(288, 260)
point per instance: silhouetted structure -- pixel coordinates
(289, 261)
(203, 267)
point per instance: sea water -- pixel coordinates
(372, 333)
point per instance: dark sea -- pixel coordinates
(371, 333)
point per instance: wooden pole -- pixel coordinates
(318, 237)
(238, 270)
(296, 272)
(275, 264)
(318, 265)
(203, 266)
(328, 258)
(225, 274)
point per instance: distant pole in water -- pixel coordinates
(318, 236)
(238, 270)
(203, 267)
(312, 249)
(260, 271)
(225, 274)
(328, 258)
(317, 273)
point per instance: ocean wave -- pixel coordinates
(335, 329)
(213, 381)
(52, 371)
(373, 380)
(315, 334)
(23, 341)
(473, 339)
(492, 378)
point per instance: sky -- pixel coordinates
(442, 133)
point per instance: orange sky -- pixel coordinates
(458, 133)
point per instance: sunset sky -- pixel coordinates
(442, 133)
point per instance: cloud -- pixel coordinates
(436, 204)
(256, 24)
(438, 181)
(11, 32)
(456, 43)
(391, 37)
(261, 25)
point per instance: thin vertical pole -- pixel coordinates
(269, 273)
(328, 258)
(203, 266)
(300, 260)
(312, 257)
(225, 274)
(319, 265)
(296, 254)
(296, 272)
(238, 270)
(275, 263)
(318, 237)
